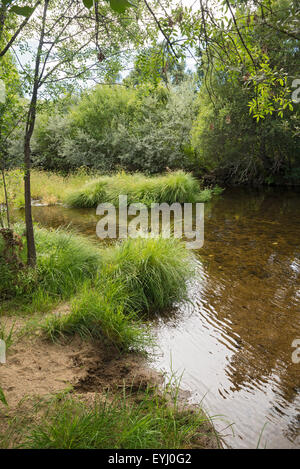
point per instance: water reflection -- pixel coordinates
(233, 339)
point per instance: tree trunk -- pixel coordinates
(31, 251)
(5, 197)
(30, 123)
(3, 9)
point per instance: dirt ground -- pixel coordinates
(36, 367)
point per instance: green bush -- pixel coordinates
(143, 129)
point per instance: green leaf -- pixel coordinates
(119, 5)
(21, 11)
(88, 3)
(2, 397)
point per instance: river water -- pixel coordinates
(232, 342)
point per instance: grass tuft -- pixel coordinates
(169, 188)
(151, 421)
(154, 270)
(137, 277)
(111, 290)
(98, 311)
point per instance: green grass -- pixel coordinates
(46, 186)
(154, 271)
(169, 188)
(98, 311)
(64, 261)
(152, 420)
(110, 290)
(93, 194)
(137, 277)
(86, 190)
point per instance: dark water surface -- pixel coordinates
(233, 341)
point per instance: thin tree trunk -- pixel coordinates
(2, 159)
(31, 251)
(6, 197)
(2, 18)
(3, 11)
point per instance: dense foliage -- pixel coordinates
(143, 129)
(234, 117)
(229, 119)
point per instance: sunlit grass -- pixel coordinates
(148, 419)
(169, 188)
(138, 277)
(48, 187)
(83, 189)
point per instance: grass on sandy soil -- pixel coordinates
(110, 290)
(137, 277)
(146, 418)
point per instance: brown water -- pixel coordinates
(233, 340)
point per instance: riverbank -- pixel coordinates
(60, 394)
(76, 325)
(85, 189)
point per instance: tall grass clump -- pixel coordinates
(137, 277)
(64, 261)
(152, 421)
(169, 188)
(98, 311)
(155, 271)
(93, 194)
